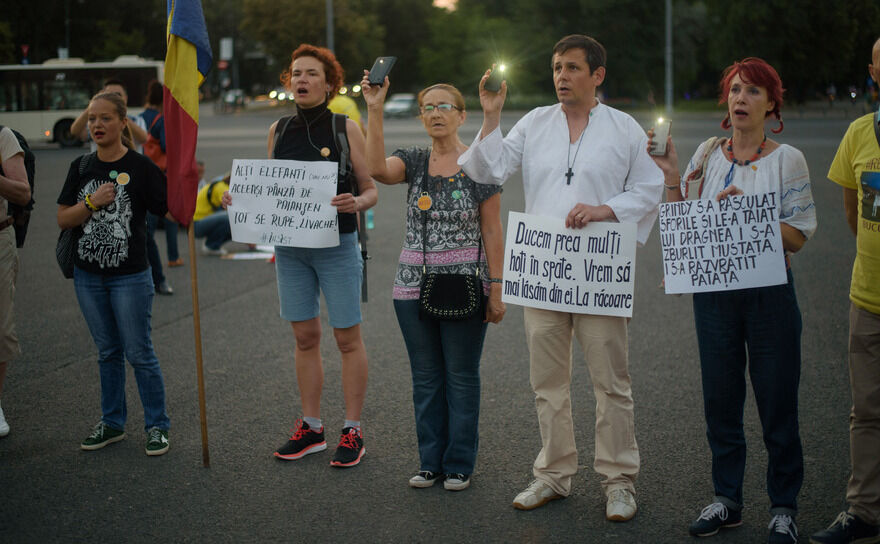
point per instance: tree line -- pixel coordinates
(813, 43)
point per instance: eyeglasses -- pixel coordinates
(428, 108)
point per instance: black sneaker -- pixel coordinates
(782, 530)
(303, 442)
(457, 482)
(101, 435)
(350, 448)
(425, 478)
(848, 528)
(714, 517)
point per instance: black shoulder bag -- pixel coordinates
(448, 297)
(65, 249)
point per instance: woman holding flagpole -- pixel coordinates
(105, 198)
(313, 78)
(759, 326)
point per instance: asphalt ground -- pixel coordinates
(54, 492)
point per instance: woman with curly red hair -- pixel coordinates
(761, 326)
(313, 78)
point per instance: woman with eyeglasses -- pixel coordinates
(459, 233)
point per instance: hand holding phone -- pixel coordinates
(661, 135)
(496, 76)
(380, 70)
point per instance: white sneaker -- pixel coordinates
(537, 494)
(4, 427)
(621, 505)
(207, 251)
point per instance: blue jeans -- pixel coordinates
(153, 250)
(171, 229)
(117, 310)
(214, 228)
(445, 360)
(761, 326)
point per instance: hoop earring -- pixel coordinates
(725, 124)
(781, 124)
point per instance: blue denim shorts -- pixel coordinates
(337, 271)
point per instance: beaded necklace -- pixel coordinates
(728, 179)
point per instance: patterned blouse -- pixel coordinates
(453, 224)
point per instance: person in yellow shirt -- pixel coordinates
(347, 106)
(210, 220)
(856, 168)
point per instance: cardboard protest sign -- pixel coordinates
(587, 271)
(719, 246)
(283, 203)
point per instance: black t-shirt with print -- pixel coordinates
(113, 241)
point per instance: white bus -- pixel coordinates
(42, 100)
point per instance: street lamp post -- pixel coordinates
(668, 56)
(329, 4)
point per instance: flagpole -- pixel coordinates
(197, 331)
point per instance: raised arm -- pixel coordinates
(668, 164)
(390, 170)
(491, 102)
(79, 128)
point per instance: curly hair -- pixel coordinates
(333, 72)
(757, 72)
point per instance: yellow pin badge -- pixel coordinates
(424, 203)
(123, 178)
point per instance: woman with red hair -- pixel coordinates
(761, 326)
(313, 78)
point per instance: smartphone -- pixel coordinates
(493, 83)
(661, 134)
(380, 69)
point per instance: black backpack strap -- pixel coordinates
(279, 131)
(209, 192)
(341, 136)
(85, 161)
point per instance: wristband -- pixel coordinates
(494, 280)
(676, 186)
(89, 204)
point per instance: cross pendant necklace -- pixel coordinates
(570, 174)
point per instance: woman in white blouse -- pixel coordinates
(760, 326)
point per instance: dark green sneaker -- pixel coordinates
(157, 441)
(101, 436)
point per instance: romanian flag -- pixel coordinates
(187, 62)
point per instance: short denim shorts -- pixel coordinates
(338, 271)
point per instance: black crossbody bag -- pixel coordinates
(448, 297)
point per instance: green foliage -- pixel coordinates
(358, 37)
(116, 41)
(812, 43)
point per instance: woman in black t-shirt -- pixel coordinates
(105, 198)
